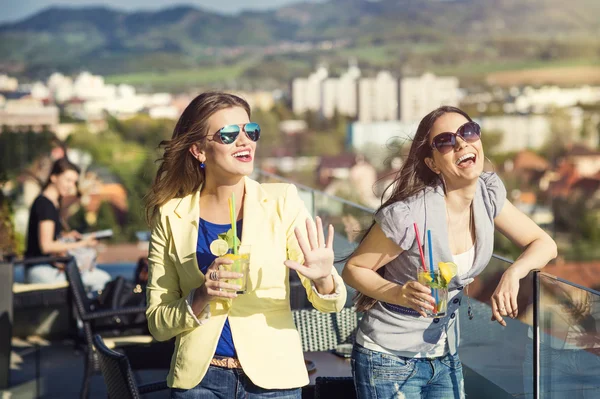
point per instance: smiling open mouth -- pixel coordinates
(243, 156)
(466, 160)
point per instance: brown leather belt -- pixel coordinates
(226, 362)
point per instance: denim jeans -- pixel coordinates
(379, 375)
(222, 383)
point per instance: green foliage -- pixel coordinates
(184, 46)
(270, 135)
(142, 129)
(18, 149)
(77, 221)
(561, 134)
(106, 219)
(491, 140)
(504, 247)
(8, 239)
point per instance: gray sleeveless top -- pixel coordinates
(403, 332)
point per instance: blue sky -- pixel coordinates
(12, 10)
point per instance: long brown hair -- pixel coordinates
(179, 173)
(414, 177)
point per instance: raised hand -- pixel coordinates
(318, 253)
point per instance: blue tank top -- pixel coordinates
(207, 233)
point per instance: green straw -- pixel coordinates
(233, 223)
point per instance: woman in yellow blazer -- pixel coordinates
(230, 345)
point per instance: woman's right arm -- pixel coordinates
(50, 246)
(360, 272)
(167, 309)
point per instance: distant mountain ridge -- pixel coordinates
(109, 40)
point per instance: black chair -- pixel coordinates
(324, 331)
(334, 387)
(87, 316)
(118, 375)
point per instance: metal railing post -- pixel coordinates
(536, 334)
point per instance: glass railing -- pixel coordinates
(568, 321)
(500, 362)
(493, 356)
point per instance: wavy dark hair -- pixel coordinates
(179, 173)
(414, 177)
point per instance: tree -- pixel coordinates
(270, 135)
(77, 221)
(137, 185)
(106, 219)
(19, 149)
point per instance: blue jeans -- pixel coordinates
(378, 375)
(222, 383)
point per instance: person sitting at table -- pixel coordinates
(229, 345)
(45, 236)
(400, 351)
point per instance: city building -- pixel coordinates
(378, 98)
(420, 95)
(307, 92)
(28, 114)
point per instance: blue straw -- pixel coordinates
(431, 264)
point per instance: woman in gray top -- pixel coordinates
(441, 188)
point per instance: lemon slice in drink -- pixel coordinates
(219, 247)
(448, 270)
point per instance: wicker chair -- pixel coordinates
(334, 387)
(158, 356)
(118, 375)
(324, 331)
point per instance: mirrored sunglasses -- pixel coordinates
(228, 134)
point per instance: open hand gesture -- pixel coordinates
(318, 254)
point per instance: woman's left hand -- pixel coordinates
(504, 299)
(318, 254)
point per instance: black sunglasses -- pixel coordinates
(445, 142)
(228, 134)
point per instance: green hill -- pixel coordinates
(392, 33)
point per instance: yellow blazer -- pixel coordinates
(266, 340)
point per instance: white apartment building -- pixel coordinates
(378, 98)
(307, 92)
(341, 93)
(546, 97)
(519, 132)
(28, 113)
(421, 95)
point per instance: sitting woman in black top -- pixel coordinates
(44, 235)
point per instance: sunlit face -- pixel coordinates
(225, 161)
(66, 182)
(465, 162)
